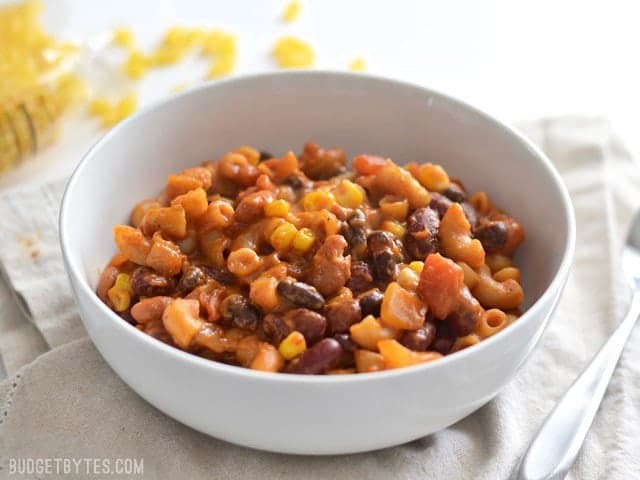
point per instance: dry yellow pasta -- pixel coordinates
(358, 65)
(291, 52)
(291, 11)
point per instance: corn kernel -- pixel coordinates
(123, 37)
(291, 52)
(120, 299)
(408, 278)
(318, 200)
(136, 65)
(293, 345)
(416, 266)
(120, 293)
(348, 194)
(123, 281)
(278, 208)
(283, 236)
(358, 65)
(303, 240)
(393, 227)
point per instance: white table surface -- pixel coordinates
(517, 60)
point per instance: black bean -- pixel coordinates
(265, 155)
(237, 311)
(310, 324)
(380, 240)
(421, 339)
(361, 278)
(296, 182)
(384, 252)
(300, 294)
(356, 238)
(439, 203)
(192, 276)
(455, 192)
(341, 315)
(145, 282)
(220, 275)
(370, 302)
(357, 219)
(320, 358)
(384, 266)
(422, 233)
(275, 328)
(493, 235)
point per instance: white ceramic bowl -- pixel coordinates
(276, 112)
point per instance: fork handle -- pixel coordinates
(556, 445)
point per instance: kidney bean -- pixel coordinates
(344, 339)
(361, 278)
(439, 203)
(471, 213)
(127, 317)
(310, 324)
(455, 192)
(493, 235)
(464, 318)
(192, 276)
(421, 339)
(300, 294)
(275, 328)
(237, 310)
(341, 315)
(145, 282)
(371, 302)
(422, 233)
(323, 356)
(442, 345)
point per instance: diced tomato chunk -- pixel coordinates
(440, 284)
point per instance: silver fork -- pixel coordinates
(556, 445)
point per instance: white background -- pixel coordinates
(517, 60)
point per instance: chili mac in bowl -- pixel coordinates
(397, 240)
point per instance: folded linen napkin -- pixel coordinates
(68, 402)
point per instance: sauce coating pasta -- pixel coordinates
(297, 265)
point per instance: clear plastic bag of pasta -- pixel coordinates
(37, 83)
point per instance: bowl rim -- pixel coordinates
(79, 282)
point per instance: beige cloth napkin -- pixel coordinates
(68, 402)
